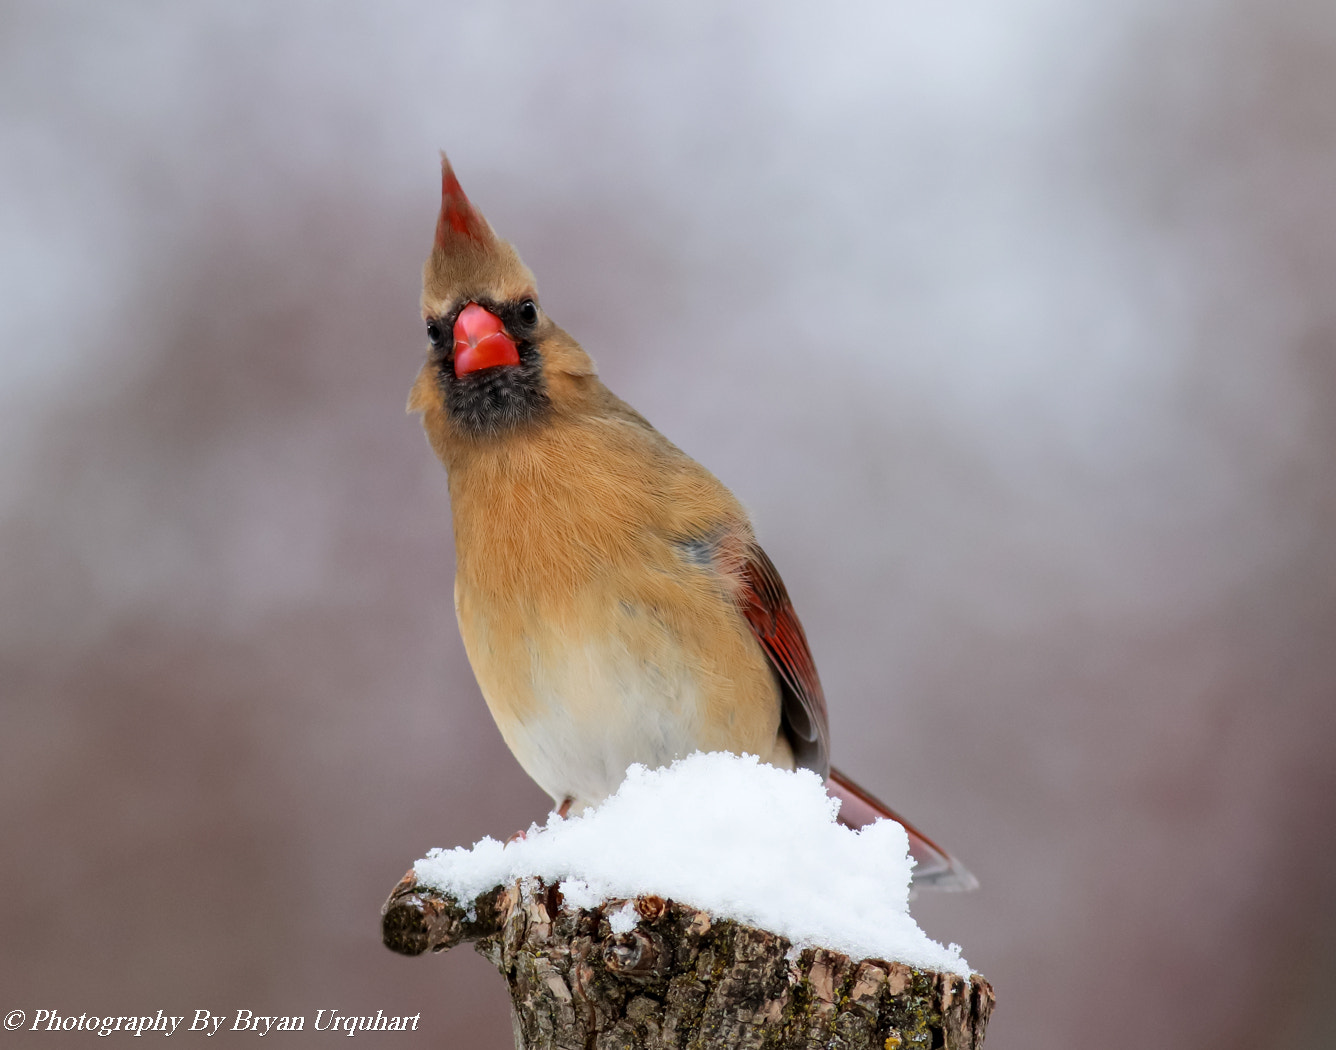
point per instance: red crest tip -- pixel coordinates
(458, 215)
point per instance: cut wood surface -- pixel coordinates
(680, 979)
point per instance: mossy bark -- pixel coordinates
(681, 979)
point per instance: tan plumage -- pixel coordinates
(610, 593)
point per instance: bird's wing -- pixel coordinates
(765, 603)
(768, 610)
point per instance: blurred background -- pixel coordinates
(1013, 323)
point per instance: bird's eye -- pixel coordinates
(435, 334)
(529, 312)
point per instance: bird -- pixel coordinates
(614, 603)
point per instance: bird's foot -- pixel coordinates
(561, 811)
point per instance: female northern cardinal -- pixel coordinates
(614, 604)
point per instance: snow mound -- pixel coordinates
(733, 837)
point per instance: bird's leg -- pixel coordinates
(562, 811)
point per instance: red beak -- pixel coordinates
(481, 341)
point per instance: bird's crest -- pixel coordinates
(459, 218)
(468, 261)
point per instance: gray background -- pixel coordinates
(1012, 322)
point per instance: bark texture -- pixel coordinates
(681, 980)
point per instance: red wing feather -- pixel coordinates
(766, 605)
(769, 612)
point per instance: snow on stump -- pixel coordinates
(797, 933)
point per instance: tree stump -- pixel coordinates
(680, 979)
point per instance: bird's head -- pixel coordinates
(496, 362)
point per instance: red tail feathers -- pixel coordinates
(934, 868)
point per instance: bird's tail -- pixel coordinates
(934, 868)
